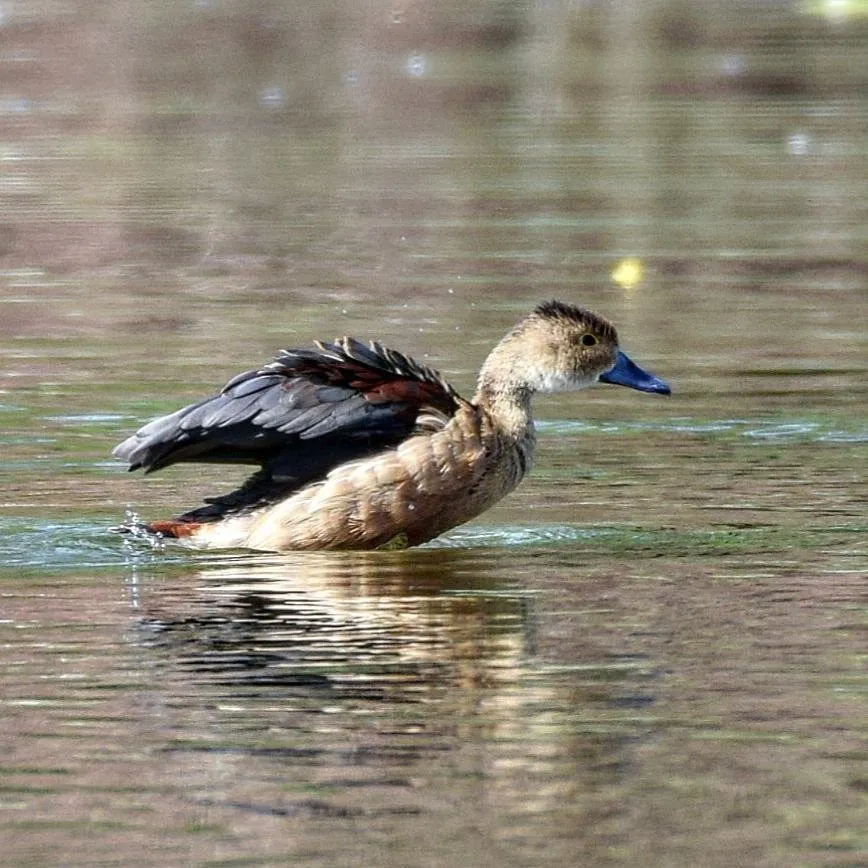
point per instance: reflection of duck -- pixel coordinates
(321, 618)
(361, 447)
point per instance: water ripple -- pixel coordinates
(809, 430)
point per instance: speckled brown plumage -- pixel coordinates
(361, 447)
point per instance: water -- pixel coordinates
(654, 650)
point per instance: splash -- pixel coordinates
(135, 532)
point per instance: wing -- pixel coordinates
(300, 415)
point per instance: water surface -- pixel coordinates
(654, 650)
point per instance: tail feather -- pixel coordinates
(172, 528)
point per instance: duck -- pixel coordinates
(358, 446)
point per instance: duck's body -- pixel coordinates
(360, 447)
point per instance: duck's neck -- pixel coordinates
(509, 406)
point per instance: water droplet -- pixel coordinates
(273, 97)
(732, 65)
(415, 65)
(799, 144)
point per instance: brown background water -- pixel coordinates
(654, 651)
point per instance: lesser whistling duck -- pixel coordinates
(361, 447)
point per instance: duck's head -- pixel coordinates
(562, 347)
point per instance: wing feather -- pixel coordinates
(347, 399)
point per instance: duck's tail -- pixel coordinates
(172, 528)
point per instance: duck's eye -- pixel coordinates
(588, 340)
